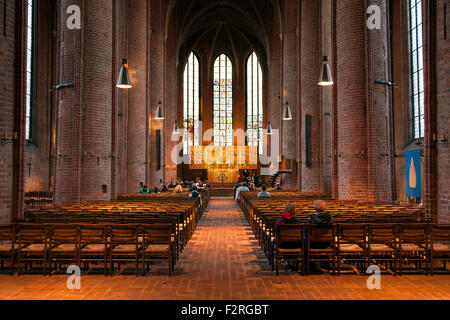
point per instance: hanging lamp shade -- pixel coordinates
(287, 115)
(269, 131)
(124, 77)
(159, 112)
(325, 75)
(175, 128)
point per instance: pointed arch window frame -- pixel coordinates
(254, 101)
(223, 95)
(191, 102)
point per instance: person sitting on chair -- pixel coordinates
(156, 190)
(242, 188)
(145, 190)
(141, 187)
(263, 193)
(178, 189)
(321, 219)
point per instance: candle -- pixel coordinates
(5, 136)
(15, 135)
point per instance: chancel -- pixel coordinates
(224, 150)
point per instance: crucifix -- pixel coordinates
(29, 164)
(222, 176)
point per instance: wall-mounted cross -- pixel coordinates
(29, 164)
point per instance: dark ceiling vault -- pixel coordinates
(223, 23)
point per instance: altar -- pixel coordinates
(223, 176)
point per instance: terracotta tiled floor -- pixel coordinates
(223, 261)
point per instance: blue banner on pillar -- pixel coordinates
(413, 174)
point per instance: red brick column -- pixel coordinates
(137, 98)
(67, 154)
(290, 134)
(85, 109)
(434, 160)
(97, 100)
(310, 95)
(379, 116)
(351, 100)
(442, 111)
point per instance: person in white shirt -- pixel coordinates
(263, 193)
(242, 188)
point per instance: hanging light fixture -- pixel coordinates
(175, 129)
(325, 75)
(159, 112)
(124, 77)
(269, 131)
(287, 113)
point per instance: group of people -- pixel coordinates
(321, 218)
(178, 187)
(247, 187)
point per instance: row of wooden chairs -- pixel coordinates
(82, 244)
(393, 245)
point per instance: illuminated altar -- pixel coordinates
(223, 163)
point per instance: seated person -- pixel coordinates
(164, 188)
(322, 219)
(278, 186)
(288, 217)
(242, 188)
(141, 186)
(236, 186)
(156, 190)
(171, 185)
(263, 193)
(178, 188)
(145, 190)
(195, 194)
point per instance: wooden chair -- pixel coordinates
(8, 245)
(323, 239)
(157, 245)
(413, 245)
(93, 247)
(124, 246)
(382, 244)
(289, 234)
(63, 244)
(352, 244)
(439, 245)
(32, 245)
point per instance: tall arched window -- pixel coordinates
(416, 69)
(29, 74)
(192, 103)
(254, 102)
(223, 101)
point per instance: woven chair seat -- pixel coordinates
(34, 248)
(350, 247)
(441, 247)
(64, 248)
(93, 248)
(157, 248)
(380, 247)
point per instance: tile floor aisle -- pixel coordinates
(223, 261)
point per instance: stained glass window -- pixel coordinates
(416, 56)
(254, 102)
(29, 74)
(192, 103)
(223, 102)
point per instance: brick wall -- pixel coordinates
(310, 95)
(443, 108)
(351, 100)
(7, 58)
